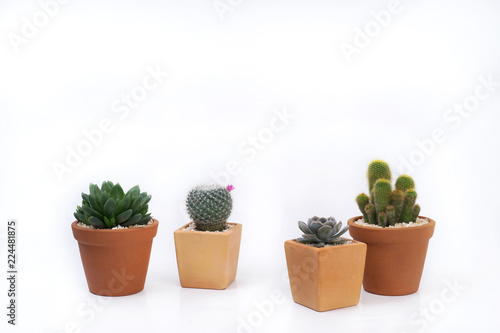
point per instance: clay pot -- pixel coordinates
(207, 259)
(325, 278)
(115, 261)
(395, 257)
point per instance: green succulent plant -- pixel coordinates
(209, 206)
(385, 206)
(320, 231)
(109, 206)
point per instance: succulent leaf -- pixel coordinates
(123, 205)
(96, 223)
(325, 232)
(110, 207)
(123, 217)
(341, 232)
(117, 192)
(304, 228)
(315, 226)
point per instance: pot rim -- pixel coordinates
(324, 248)
(112, 237)
(351, 223)
(74, 225)
(225, 232)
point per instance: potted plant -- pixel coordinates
(325, 271)
(397, 237)
(207, 249)
(115, 233)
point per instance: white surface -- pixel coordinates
(226, 79)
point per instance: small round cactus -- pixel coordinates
(209, 206)
(404, 183)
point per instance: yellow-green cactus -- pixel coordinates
(376, 170)
(381, 194)
(404, 183)
(410, 198)
(362, 200)
(385, 206)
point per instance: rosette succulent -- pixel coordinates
(109, 206)
(320, 231)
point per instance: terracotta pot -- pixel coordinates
(325, 278)
(115, 261)
(395, 257)
(207, 259)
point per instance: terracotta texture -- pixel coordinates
(207, 259)
(115, 261)
(395, 257)
(325, 278)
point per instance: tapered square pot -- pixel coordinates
(325, 278)
(206, 259)
(395, 257)
(115, 261)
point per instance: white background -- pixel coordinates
(227, 79)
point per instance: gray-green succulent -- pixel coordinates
(320, 231)
(109, 206)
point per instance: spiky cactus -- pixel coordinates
(381, 194)
(397, 201)
(378, 169)
(320, 231)
(362, 200)
(410, 198)
(404, 183)
(209, 206)
(108, 206)
(385, 206)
